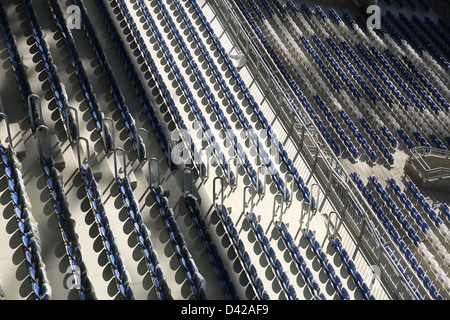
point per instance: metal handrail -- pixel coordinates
(325, 158)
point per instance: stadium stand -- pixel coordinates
(223, 149)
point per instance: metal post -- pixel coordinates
(170, 144)
(87, 151)
(124, 162)
(316, 198)
(70, 109)
(252, 199)
(302, 136)
(330, 177)
(236, 162)
(204, 175)
(268, 81)
(316, 157)
(145, 141)
(150, 180)
(214, 190)
(309, 215)
(112, 128)
(274, 206)
(335, 223)
(247, 46)
(189, 171)
(5, 117)
(289, 181)
(45, 128)
(261, 173)
(30, 111)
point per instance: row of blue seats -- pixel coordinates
(400, 268)
(427, 83)
(418, 268)
(379, 142)
(292, 83)
(334, 146)
(371, 132)
(437, 31)
(305, 8)
(363, 85)
(398, 240)
(348, 143)
(263, 120)
(350, 265)
(408, 205)
(401, 29)
(272, 257)
(395, 210)
(431, 36)
(358, 135)
(421, 107)
(407, 75)
(376, 207)
(335, 15)
(337, 128)
(143, 238)
(401, 98)
(445, 210)
(242, 253)
(209, 95)
(427, 207)
(396, 77)
(240, 114)
(279, 6)
(319, 11)
(190, 98)
(85, 84)
(413, 97)
(19, 69)
(196, 280)
(410, 38)
(55, 83)
(34, 265)
(424, 4)
(299, 260)
(325, 70)
(127, 118)
(424, 40)
(139, 88)
(354, 91)
(179, 122)
(67, 229)
(383, 93)
(106, 233)
(444, 24)
(329, 269)
(211, 248)
(108, 240)
(320, 63)
(376, 68)
(402, 133)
